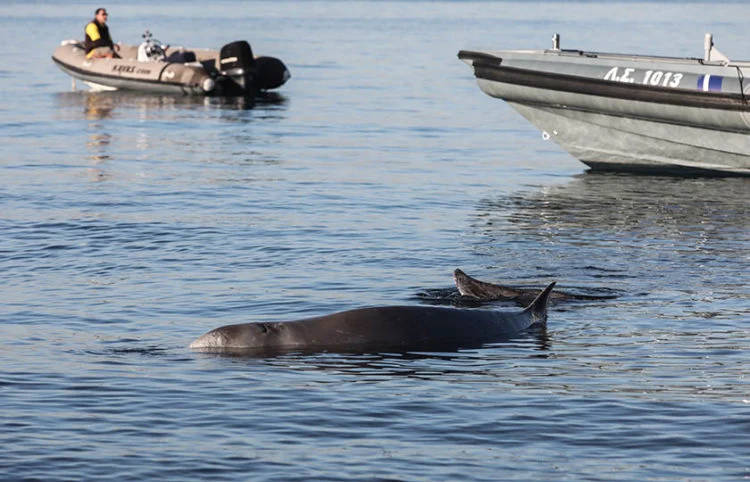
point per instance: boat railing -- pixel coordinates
(711, 55)
(616, 56)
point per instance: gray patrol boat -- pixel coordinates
(633, 113)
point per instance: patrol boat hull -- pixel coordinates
(233, 71)
(629, 112)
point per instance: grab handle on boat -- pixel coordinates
(711, 53)
(556, 41)
(708, 43)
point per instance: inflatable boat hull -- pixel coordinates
(182, 72)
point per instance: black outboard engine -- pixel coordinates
(270, 73)
(237, 64)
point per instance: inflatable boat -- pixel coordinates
(629, 112)
(156, 68)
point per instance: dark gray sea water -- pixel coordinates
(130, 225)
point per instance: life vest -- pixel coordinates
(97, 35)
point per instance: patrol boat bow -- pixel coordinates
(629, 112)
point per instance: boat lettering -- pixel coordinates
(664, 79)
(625, 77)
(650, 77)
(130, 69)
(125, 69)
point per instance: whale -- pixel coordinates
(484, 291)
(378, 329)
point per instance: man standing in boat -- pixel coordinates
(98, 42)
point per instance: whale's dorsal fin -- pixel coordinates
(538, 307)
(481, 290)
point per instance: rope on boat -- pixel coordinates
(741, 79)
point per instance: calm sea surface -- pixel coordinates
(130, 225)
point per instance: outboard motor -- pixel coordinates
(237, 64)
(271, 73)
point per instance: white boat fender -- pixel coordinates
(208, 84)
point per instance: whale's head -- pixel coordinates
(243, 336)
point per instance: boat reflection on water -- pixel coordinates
(615, 202)
(128, 125)
(633, 234)
(100, 105)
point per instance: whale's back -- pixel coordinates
(380, 328)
